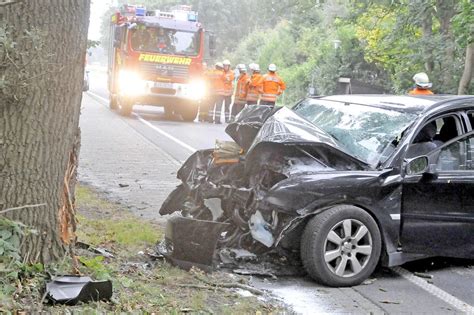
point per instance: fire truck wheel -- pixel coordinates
(125, 107)
(189, 113)
(113, 103)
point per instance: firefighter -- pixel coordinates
(228, 89)
(254, 84)
(422, 85)
(217, 91)
(240, 98)
(272, 86)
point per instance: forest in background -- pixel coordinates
(380, 42)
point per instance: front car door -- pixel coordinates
(438, 208)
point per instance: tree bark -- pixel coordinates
(427, 29)
(468, 70)
(446, 9)
(39, 123)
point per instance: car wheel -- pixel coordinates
(113, 103)
(125, 107)
(341, 246)
(189, 112)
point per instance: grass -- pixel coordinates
(140, 284)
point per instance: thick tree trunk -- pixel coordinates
(39, 118)
(468, 70)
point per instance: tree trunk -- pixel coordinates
(446, 9)
(39, 118)
(427, 29)
(468, 70)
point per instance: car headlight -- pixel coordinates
(130, 83)
(196, 89)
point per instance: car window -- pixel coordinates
(433, 135)
(457, 156)
(365, 132)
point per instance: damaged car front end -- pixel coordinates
(286, 167)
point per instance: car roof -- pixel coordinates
(402, 103)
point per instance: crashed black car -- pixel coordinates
(348, 181)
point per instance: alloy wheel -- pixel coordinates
(348, 248)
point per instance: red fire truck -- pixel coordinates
(156, 58)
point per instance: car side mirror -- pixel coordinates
(417, 166)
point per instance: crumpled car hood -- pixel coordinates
(288, 128)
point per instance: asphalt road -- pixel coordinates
(397, 290)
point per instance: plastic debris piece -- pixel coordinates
(71, 290)
(260, 229)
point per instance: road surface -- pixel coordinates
(135, 160)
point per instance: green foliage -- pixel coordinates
(96, 267)
(92, 43)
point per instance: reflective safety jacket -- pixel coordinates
(216, 83)
(417, 91)
(254, 86)
(242, 88)
(272, 86)
(227, 79)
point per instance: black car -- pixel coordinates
(349, 181)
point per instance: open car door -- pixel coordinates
(438, 202)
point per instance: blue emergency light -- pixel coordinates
(192, 17)
(140, 11)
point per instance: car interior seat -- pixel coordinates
(448, 131)
(423, 142)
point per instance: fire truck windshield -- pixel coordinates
(165, 41)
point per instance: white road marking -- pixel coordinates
(434, 290)
(98, 96)
(155, 128)
(164, 133)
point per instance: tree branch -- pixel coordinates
(22, 207)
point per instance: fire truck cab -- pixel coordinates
(156, 58)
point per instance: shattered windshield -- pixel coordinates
(165, 41)
(368, 133)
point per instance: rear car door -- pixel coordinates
(438, 210)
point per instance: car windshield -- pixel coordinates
(165, 41)
(365, 132)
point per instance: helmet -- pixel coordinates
(226, 62)
(219, 65)
(251, 66)
(421, 79)
(256, 67)
(241, 67)
(272, 67)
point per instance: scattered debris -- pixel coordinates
(369, 281)
(423, 275)
(123, 185)
(389, 302)
(383, 290)
(71, 290)
(249, 272)
(98, 250)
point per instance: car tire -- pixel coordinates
(113, 103)
(341, 246)
(189, 112)
(125, 107)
